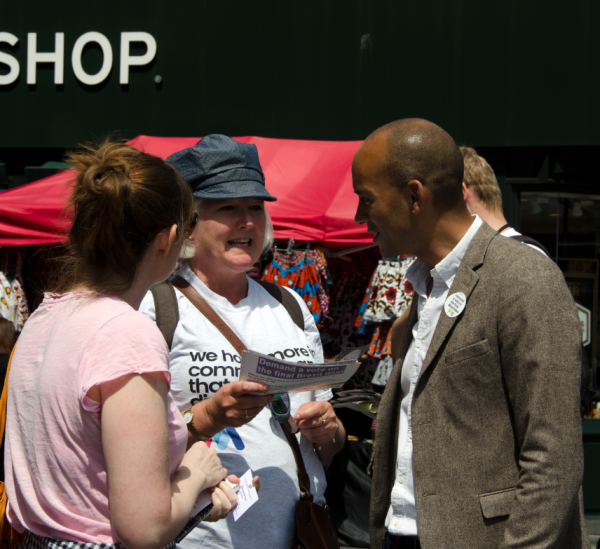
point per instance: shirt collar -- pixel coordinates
(419, 272)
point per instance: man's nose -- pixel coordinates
(360, 216)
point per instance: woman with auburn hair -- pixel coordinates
(95, 446)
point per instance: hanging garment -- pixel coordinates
(361, 322)
(8, 301)
(13, 262)
(405, 289)
(323, 287)
(22, 309)
(383, 370)
(381, 342)
(388, 298)
(382, 301)
(349, 291)
(305, 274)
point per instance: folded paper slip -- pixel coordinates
(283, 377)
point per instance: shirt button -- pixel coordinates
(419, 344)
(401, 480)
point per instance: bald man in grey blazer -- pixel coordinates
(478, 440)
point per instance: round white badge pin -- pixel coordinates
(455, 304)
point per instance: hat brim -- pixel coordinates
(235, 189)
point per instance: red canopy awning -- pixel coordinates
(311, 179)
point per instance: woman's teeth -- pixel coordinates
(243, 242)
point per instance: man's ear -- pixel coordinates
(416, 195)
(165, 240)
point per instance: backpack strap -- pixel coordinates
(528, 240)
(166, 310)
(209, 313)
(287, 300)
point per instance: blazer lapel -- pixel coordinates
(465, 281)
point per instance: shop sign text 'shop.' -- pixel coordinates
(57, 57)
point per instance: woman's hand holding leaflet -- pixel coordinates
(231, 406)
(317, 421)
(319, 424)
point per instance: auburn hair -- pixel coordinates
(121, 200)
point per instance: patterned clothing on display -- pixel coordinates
(31, 267)
(361, 322)
(383, 370)
(381, 342)
(22, 311)
(388, 298)
(323, 288)
(347, 294)
(306, 274)
(8, 301)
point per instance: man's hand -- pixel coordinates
(317, 421)
(231, 406)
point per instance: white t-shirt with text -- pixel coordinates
(201, 362)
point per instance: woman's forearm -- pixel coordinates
(148, 509)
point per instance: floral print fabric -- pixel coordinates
(306, 274)
(13, 300)
(8, 303)
(389, 297)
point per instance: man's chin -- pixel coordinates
(385, 249)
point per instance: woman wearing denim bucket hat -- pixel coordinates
(233, 230)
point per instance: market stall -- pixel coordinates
(312, 180)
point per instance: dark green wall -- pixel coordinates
(492, 73)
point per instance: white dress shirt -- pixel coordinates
(401, 519)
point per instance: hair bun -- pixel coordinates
(121, 199)
(108, 176)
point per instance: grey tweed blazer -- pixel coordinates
(498, 455)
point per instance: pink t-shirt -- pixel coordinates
(55, 471)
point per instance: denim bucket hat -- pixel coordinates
(218, 167)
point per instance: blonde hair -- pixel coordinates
(480, 177)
